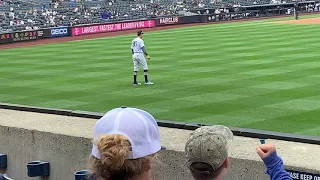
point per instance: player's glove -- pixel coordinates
(148, 56)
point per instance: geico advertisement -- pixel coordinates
(56, 32)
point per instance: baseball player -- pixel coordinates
(138, 52)
(296, 10)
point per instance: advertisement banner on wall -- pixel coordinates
(5, 38)
(24, 36)
(169, 20)
(43, 33)
(59, 32)
(212, 18)
(102, 28)
(297, 175)
(164, 21)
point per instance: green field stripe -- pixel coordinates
(298, 104)
(253, 74)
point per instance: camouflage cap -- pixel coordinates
(209, 144)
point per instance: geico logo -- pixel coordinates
(59, 31)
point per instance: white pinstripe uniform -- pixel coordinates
(138, 55)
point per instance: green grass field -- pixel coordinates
(244, 74)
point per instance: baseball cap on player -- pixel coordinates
(137, 125)
(139, 33)
(210, 145)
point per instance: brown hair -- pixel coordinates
(203, 171)
(113, 163)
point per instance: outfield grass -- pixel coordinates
(245, 74)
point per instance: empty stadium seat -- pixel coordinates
(3, 160)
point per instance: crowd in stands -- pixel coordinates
(19, 15)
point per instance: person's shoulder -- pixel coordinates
(141, 40)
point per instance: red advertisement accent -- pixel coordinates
(101, 28)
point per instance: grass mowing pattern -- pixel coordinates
(244, 74)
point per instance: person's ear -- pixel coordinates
(149, 165)
(226, 163)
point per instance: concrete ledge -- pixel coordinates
(65, 142)
(172, 124)
(35, 109)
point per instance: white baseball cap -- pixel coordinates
(137, 125)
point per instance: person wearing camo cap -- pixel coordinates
(207, 153)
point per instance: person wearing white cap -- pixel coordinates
(125, 142)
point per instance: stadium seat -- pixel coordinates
(82, 175)
(38, 169)
(3, 160)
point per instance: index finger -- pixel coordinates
(267, 147)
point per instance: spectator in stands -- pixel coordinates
(55, 5)
(29, 20)
(317, 6)
(73, 3)
(207, 154)
(201, 4)
(28, 28)
(54, 24)
(11, 15)
(106, 15)
(35, 13)
(71, 23)
(125, 142)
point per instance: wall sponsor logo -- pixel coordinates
(212, 18)
(170, 20)
(5, 38)
(77, 31)
(56, 32)
(24, 36)
(40, 33)
(44, 33)
(296, 175)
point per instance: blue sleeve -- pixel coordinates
(275, 168)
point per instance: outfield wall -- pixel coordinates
(65, 142)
